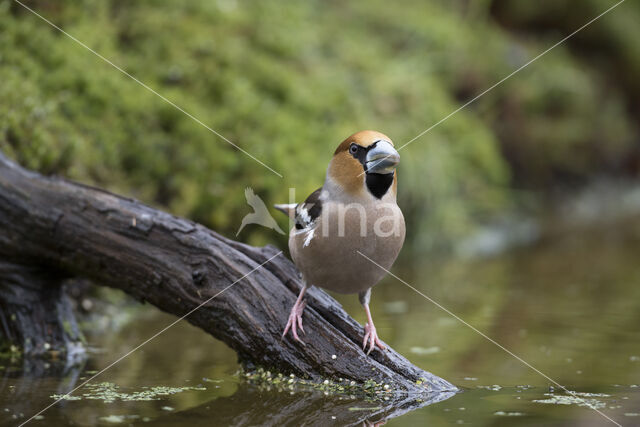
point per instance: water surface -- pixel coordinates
(569, 306)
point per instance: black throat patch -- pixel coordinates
(378, 184)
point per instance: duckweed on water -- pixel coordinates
(580, 399)
(494, 387)
(209, 380)
(508, 414)
(109, 392)
(340, 386)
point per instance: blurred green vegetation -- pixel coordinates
(288, 82)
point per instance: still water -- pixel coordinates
(569, 306)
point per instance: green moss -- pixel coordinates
(287, 85)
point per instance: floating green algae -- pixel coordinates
(509, 414)
(267, 380)
(580, 399)
(109, 392)
(494, 387)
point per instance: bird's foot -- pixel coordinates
(295, 321)
(371, 339)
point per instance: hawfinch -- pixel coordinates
(353, 214)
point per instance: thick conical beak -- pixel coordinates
(382, 158)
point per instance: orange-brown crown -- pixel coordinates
(364, 138)
(347, 171)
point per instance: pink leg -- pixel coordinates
(371, 336)
(295, 318)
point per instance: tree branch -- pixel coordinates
(71, 230)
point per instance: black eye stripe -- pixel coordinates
(360, 154)
(360, 149)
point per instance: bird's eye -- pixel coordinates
(353, 149)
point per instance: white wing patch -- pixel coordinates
(304, 215)
(309, 237)
(308, 212)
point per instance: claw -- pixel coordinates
(294, 322)
(302, 306)
(371, 335)
(366, 335)
(295, 319)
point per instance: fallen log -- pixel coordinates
(52, 229)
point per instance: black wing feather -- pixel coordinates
(309, 210)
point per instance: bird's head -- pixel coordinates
(365, 162)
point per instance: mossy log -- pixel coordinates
(52, 229)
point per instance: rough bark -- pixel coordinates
(57, 229)
(35, 312)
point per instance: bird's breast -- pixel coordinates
(330, 254)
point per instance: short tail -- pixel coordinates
(287, 209)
